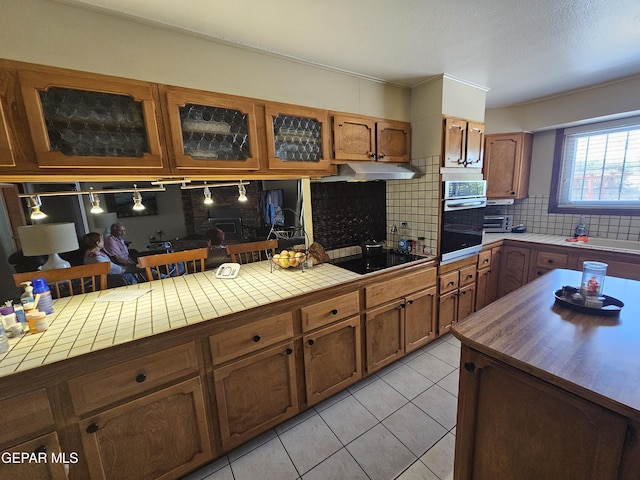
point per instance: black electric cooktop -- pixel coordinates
(366, 264)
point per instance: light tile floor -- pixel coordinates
(398, 423)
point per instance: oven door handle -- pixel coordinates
(478, 203)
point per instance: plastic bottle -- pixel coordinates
(21, 318)
(4, 342)
(37, 321)
(11, 327)
(40, 287)
(27, 298)
(403, 244)
(581, 229)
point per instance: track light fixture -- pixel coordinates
(207, 195)
(34, 204)
(137, 199)
(95, 204)
(242, 192)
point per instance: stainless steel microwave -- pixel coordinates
(498, 223)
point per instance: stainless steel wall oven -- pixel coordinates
(463, 206)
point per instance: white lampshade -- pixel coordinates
(49, 239)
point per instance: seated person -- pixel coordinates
(116, 247)
(217, 250)
(94, 253)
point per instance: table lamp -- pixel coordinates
(49, 239)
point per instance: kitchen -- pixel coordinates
(405, 200)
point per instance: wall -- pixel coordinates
(49, 33)
(543, 117)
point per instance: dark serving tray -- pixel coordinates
(610, 306)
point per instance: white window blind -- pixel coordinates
(601, 165)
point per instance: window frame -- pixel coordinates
(554, 194)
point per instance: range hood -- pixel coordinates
(365, 171)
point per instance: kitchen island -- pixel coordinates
(547, 392)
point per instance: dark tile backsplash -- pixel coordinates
(348, 213)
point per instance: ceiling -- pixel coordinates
(518, 50)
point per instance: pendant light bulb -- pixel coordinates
(95, 204)
(137, 199)
(207, 196)
(34, 204)
(242, 193)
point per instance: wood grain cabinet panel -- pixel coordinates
(358, 138)
(326, 312)
(463, 143)
(50, 464)
(212, 131)
(161, 435)
(420, 318)
(136, 377)
(255, 394)
(250, 338)
(514, 271)
(332, 359)
(513, 425)
(91, 121)
(30, 416)
(297, 138)
(384, 334)
(507, 164)
(379, 293)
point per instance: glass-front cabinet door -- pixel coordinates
(91, 121)
(297, 137)
(210, 131)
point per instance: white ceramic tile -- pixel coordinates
(431, 367)
(407, 381)
(438, 404)
(252, 444)
(417, 471)
(447, 352)
(309, 443)
(380, 399)
(439, 459)
(348, 419)
(267, 462)
(414, 428)
(450, 382)
(340, 465)
(381, 455)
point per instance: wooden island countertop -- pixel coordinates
(548, 392)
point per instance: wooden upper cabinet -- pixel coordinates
(507, 165)
(297, 138)
(83, 120)
(208, 130)
(362, 138)
(7, 158)
(463, 143)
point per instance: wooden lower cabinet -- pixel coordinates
(457, 293)
(49, 460)
(488, 277)
(514, 269)
(332, 359)
(514, 425)
(384, 334)
(255, 394)
(420, 318)
(164, 434)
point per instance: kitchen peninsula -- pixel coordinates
(548, 392)
(157, 386)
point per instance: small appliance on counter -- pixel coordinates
(498, 223)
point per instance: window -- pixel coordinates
(596, 169)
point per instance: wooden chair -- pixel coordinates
(164, 263)
(64, 282)
(252, 252)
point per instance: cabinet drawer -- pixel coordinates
(551, 260)
(383, 292)
(449, 282)
(323, 313)
(24, 415)
(249, 338)
(468, 275)
(484, 259)
(135, 377)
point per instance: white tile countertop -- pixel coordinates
(83, 323)
(613, 246)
